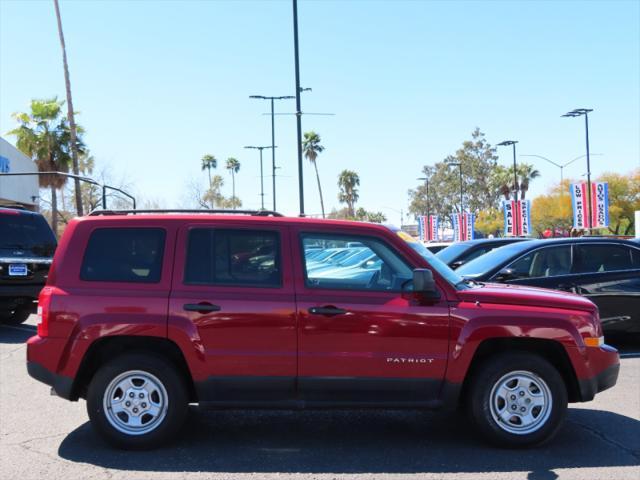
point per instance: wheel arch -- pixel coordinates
(550, 350)
(106, 348)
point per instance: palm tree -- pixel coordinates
(45, 136)
(233, 166)
(348, 181)
(70, 114)
(311, 147)
(526, 173)
(209, 162)
(502, 179)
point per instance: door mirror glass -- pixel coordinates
(424, 284)
(506, 274)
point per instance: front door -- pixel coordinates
(233, 291)
(362, 342)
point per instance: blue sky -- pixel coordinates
(159, 84)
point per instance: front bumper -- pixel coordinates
(602, 381)
(62, 386)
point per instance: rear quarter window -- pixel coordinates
(124, 255)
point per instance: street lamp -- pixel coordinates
(577, 113)
(561, 167)
(273, 138)
(459, 165)
(261, 172)
(506, 143)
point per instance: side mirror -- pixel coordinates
(456, 264)
(505, 275)
(424, 285)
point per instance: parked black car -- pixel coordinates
(605, 270)
(459, 253)
(27, 244)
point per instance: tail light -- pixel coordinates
(44, 303)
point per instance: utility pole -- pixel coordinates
(273, 138)
(577, 113)
(298, 106)
(261, 172)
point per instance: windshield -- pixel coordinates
(27, 232)
(486, 263)
(453, 251)
(442, 268)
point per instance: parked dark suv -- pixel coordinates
(27, 244)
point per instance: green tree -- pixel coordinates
(233, 165)
(209, 162)
(312, 148)
(553, 210)
(478, 161)
(73, 131)
(490, 222)
(348, 182)
(526, 173)
(44, 135)
(624, 200)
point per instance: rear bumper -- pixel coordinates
(61, 385)
(16, 296)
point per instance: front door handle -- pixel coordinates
(203, 307)
(328, 311)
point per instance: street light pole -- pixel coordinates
(273, 138)
(576, 113)
(298, 106)
(561, 167)
(515, 180)
(261, 172)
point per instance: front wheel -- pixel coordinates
(517, 400)
(137, 401)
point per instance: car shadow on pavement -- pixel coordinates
(362, 442)
(16, 333)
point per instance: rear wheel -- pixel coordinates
(15, 317)
(517, 399)
(137, 401)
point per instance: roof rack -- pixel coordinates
(255, 213)
(14, 206)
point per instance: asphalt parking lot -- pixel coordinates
(45, 437)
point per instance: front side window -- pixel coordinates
(124, 255)
(356, 263)
(233, 258)
(602, 258)
(544, 262)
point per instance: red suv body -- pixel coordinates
(144, 314)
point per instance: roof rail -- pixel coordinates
(14, 206)
(255, 213)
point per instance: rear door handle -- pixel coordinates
(203, 307)
(328, 311)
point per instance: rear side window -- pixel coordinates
(602, 258)
(124, 255)
(233, 257)
(543, 262)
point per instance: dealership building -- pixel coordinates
(19, 190)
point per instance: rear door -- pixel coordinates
(233, 290)
(361, 341)
(608, 274)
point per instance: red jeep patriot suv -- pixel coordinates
(143, 314)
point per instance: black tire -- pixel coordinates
(482, 407)
(166, 428)
(15, 317)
